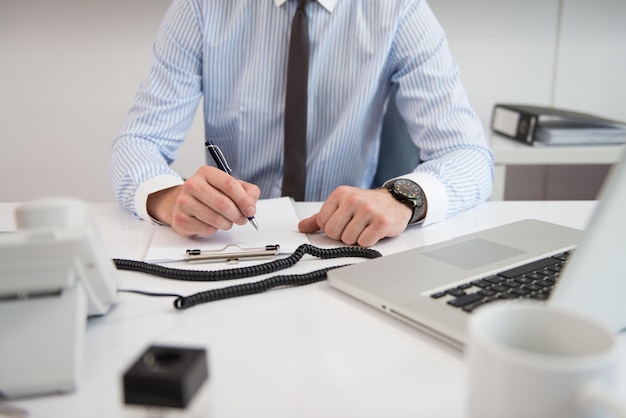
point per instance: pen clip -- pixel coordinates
(217, 155)
(232, 256)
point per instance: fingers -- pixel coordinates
(353, 225)
(359, 216)
(253, 191)
(236, 199)
(210, 200)
(309, 225)
(373, 233)
(191, 216)
(352, 233)
(341, 216)
(186, 224)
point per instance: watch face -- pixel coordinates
(406, 188)
(411, 194)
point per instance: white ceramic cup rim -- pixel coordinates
(607, 350)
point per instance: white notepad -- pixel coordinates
(278, 224)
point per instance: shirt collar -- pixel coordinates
(327, 4)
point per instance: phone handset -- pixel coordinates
(69, 226)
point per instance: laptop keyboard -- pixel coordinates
(532, 281)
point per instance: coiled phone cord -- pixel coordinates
(183, 302)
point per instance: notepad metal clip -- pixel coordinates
(232, 253)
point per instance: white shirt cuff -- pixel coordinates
(150, 186)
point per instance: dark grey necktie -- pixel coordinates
(294, 170)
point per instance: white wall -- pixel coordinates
(505, 49)
(592, 57)
(69, 70)
(567, 53)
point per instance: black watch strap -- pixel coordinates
(409, 193)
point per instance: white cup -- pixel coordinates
(536, 361)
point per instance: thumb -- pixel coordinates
(309, 225)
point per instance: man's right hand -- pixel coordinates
(207, 201)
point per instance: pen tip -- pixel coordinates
(254, 224)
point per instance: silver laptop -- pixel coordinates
(436, 288)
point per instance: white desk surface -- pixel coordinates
(309, 351)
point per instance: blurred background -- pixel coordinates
(69, 70)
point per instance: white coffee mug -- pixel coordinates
(536, 361)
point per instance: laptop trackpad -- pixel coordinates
(473, 253)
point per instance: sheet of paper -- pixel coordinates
(278, 224)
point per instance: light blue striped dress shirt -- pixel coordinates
(232, 55)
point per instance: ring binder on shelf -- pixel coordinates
(554, 126)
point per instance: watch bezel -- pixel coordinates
(412, 197)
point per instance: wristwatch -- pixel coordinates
(409, 193)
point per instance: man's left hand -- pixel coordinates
(359, 216)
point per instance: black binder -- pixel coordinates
(524, 123)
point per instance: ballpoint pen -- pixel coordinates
(222, 164)
(230, 254)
